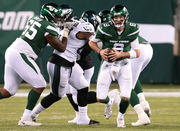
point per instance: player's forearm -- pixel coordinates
(94, 46)
(133, 53)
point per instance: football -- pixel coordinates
(108, 50)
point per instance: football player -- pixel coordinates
(63, 69)
(21, 55)
(120, 43)
(86, 63)
(137, 100)
(137, 65)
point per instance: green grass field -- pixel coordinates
(165, 114)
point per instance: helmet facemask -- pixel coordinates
(66, 15)
(114, 19)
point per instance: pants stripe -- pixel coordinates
(56, 80)
(28, 62)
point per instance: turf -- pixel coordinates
(165, 116)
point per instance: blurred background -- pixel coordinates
(159, 22)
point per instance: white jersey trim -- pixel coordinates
(52, 28)
(104, 32)
(134, 33)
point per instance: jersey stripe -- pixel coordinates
(28, 62)
(52, 28)
(56, 79)
(134, 33)
(104, 32)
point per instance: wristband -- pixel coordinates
(132, 54)
(65, 32)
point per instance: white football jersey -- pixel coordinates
(73, 43)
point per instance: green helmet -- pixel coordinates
(105, 15)
(119, 10)
(50, 11)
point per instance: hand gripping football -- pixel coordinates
(108, 50)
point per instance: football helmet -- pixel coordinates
(50, 11)
(105, 15)
(91, 17)
(119, 10)
(67, 12)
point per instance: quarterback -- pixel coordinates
(137, 66)
(120, 43)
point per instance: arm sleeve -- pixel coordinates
(52, 30)
(135, 44)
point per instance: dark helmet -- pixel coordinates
(105, 15)
(119, 10)
(91, 17)
(50, 11)
(67, 12)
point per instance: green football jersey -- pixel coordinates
(34, 33)
(142, 40)
(107, 33)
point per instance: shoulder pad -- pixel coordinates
(132, 29)
(85, 27)
(133, 25)
(52, 29)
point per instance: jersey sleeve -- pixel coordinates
(99, 34)
(142, 40)
(52, 30)
(134, 31)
